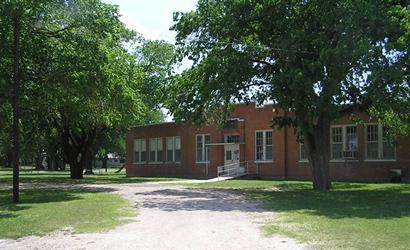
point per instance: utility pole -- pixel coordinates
(16, 107)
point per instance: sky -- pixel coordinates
(152, 18)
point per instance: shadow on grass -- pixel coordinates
(347, 201)
(32, 196)
(64, 177)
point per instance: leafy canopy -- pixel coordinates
(314, 58)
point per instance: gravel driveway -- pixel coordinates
(172, 218)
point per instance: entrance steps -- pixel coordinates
(235, 170)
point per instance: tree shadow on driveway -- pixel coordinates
(198, 200)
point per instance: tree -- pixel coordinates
(317, 59)
(81, 80)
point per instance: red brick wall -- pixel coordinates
(252, 119)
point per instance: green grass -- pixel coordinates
(351, 216)
(44, 211)
(100, 177)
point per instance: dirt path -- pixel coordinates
(172, 218)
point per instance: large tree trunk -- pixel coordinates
(76, 170)
(77, 148)
(318, 148)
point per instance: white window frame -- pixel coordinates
(344, 133)
(204, 149)
(264, 160)
(160, 140)
(380, 142)
(174, 148)
(137, 149)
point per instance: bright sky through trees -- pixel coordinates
(152, 18)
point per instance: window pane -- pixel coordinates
(153, 149)
(159, 150)
(207, 141)
(136, 145)
(159, 144)
(177, 142)
(153, 144)
(159, 156)
(232, 138)
(269, 153)
(259, 153)
(268, 140)
(199, 156)
(228, 155)
(372, 134)
(143, 145)
(351, 139)
(337, 151)
(259, 146)
(337, 134)
(170, 155)
(372, 150)
(177, 155)
(170, 143)
(303, 155)
(259, 138)
(170, 149)
(143, 156)
(152, 156)
(136, 157)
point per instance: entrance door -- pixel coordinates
(231, 154)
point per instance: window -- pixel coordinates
(302, 152)
(202, 151)
(337, 143)
(264, 145)
(155, 146)
(139, 150)
(343, 142)
(232, 138)
(377, 145)
(174, 149)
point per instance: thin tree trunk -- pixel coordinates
(104, 162)
(89, 163)
(16, 109)
(38, 161)
(318, 147)
(9, 159)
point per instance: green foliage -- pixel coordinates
(309, 57)
(83, 72)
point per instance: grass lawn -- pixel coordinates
(43, 211)
(351, 216)
(100, 177)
